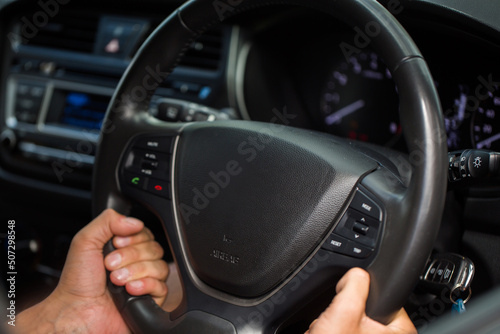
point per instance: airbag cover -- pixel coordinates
(255, 199)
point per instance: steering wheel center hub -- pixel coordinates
(254, 203)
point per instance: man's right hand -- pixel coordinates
(346, 313)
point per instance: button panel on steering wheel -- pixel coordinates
(357, 233)
(146, 165)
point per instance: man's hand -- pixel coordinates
(346, 313)
(137, 264)
(81, 301)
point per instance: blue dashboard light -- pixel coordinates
(77, 99)
(204, 92)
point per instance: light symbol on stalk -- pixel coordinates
(477, 162)
(336, 117)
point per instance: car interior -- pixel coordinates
(291, 142)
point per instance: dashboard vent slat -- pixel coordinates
(206, 52)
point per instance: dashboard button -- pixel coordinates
(169, 111)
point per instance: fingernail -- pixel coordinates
(121, 274)
(133, 221)
(136, 284)
(114, 260)
(122, 241)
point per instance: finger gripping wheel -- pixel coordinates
(408, 228)
(127, 304)
(143, 315)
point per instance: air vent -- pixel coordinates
(73, 31)
(205, 53)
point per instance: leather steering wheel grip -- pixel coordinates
(413, 213)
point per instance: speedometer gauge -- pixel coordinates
(360, 101)
(485, 124)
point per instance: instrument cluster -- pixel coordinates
(359, 101)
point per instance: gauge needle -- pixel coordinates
(337, 116)
(487, 142)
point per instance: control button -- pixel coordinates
(448, 272)
(156, 173)
(346, 229)
(28, 103)
(335, 243)
(364, 204)
(134, 180)
(479, 163)
(150, 165)
(429, 276)
(26, 116)
(159, 187)
(160, 144)
(360, 228)
(169, 111)
(146, 171)
(356, 250)
(438, 277)
(151, 156)
(186, 87)
(201, 116)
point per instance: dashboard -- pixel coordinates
(61, 63)
(56, 86)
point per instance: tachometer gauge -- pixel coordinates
(360, 101)
(485, 132)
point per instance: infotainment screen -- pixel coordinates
(84, 110)
(77, 109)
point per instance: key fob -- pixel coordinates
(447, 270)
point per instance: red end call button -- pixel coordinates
(159, 188)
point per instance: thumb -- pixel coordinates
(108, 224)
(83, 272)
(347, 310)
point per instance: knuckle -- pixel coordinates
(109, 213)
(163, 270)
(160, 289)
(148, 233)
(157, 249)
(141, 269)
(132, 253)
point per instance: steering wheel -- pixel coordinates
(262, 218)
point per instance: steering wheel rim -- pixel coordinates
(418, 201)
